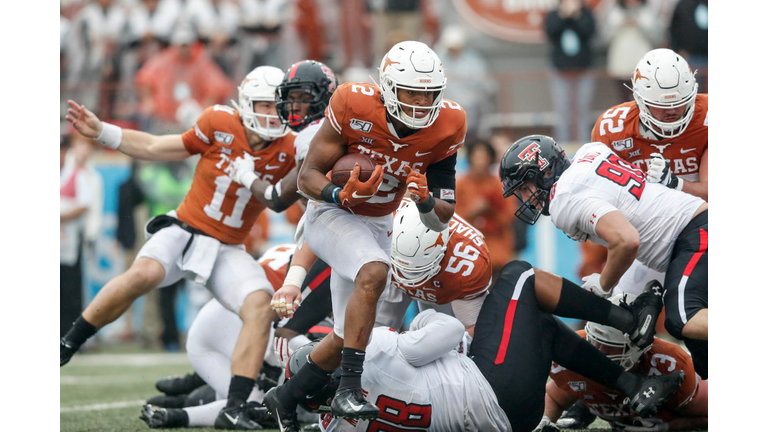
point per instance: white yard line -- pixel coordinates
(103, 379)
(156, 359)
(103, 406)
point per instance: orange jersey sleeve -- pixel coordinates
(358, 115)
(619, 128)
(275, 263)
(465, 270)
(663, 358)
(215, 204)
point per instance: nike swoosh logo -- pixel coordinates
(233, 420)
(687, 150)
(355, 195)
(271, 167)
(355, 407)
(389, 233)
(422, 154)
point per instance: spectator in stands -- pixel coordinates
(467, 71)
(150, 26)
(412, 18)
(570, 29)
(263, 34)
(216, 23)
(175, 85)
(688, 32)
(631, 28)
(480, 202)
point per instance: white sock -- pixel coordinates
(205, 415)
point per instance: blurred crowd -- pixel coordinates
(154, 65)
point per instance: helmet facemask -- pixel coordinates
(406, 113)
(609, 337)
(259, 86)
(287, 108)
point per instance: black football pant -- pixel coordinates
(317, 286)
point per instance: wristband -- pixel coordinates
(679, 184)
(247, 179)
(111, 136)
(330, 194)
(295, 276)
(427, 205)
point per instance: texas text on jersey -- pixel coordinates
(662, 359)
(620, 129)
(357, 113)
(465, 271)
(221, 208)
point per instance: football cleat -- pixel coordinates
(66, 352)
(164, 401)
(164, 418)
(268, 376)
(238, 418)
(351, 405)
(577, 416)
(178, 385)
(646, 309)
(286, 418)
(654, 391)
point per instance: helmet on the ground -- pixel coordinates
(416, 250)
(259, 86)
(628, 354)
(413, 66)
(535, 159)
(663, 79)
(311, 78)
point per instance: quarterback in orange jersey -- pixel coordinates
(203, 239)
(412, 134)
(686, 409)
(449, 267)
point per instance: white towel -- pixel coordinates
(197, 263)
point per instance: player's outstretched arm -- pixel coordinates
(326, 148)
(701, 187)
(137, 144)
(288, 298)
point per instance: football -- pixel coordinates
(344, 166)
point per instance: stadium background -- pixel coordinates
(515, 92)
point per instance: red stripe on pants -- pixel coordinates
(319, 279)
(703, 243)
(509, 318)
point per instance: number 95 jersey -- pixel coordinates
(357, 113)
(216, 204)
(599, 182)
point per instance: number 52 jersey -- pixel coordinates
(599, 182)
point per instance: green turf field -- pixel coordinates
(104, 392)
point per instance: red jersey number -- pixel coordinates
(394, 413)
(623, 173)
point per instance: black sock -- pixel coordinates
(627, 383)
(577, 354)
(351, 368)
(240, 388)
(576, 302)
(79, 333)
(307, 381)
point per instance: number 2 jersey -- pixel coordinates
(215, 204)
(620, 129)
(357, 113)
(599, 182)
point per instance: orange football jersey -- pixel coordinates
(465, 270)
(619, 129)
(358, 114)
(275, 263)
(215, 204)
(662, 359)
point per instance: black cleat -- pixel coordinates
(238, 418)
(66, 351)
(646, 309)
(178, 385)
(268, 376)
(351, 404)
(164, 401)
(654, 391)
(286, 418)
(577, 416)
(164, 418)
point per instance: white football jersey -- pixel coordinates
(420, 382)
(599, 182)
(301, 143)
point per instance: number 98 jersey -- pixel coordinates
(599, 182)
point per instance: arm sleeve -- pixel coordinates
(436, 335)
(441, 179)
(570, 213)
(198, 139)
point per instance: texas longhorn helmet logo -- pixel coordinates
(438, 242)
(532, 153)
(387, 63)
(638, 75)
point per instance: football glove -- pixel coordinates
(417, 185)
(659, 172)
(546, 425)
(592, 284)
(283, 351)
(242, 170)
(356, 191)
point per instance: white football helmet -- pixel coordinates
(412, 65)
(663, 79)
(611, 337)
(259, 86)
(416, 250)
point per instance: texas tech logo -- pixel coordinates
(532, 153)
(359, 125)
